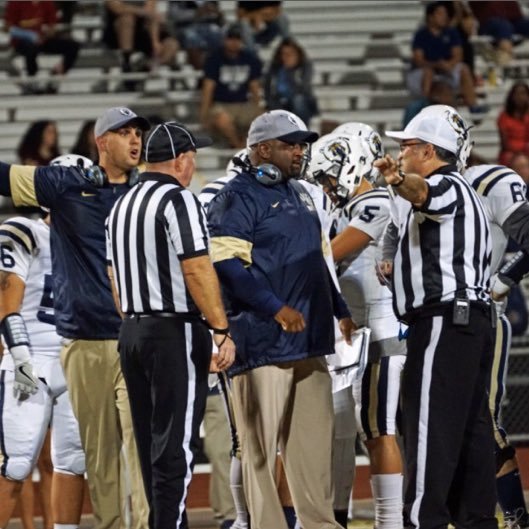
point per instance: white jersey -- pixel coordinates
(212, 188)
(502, 192)
(25, 251)
(369, 213)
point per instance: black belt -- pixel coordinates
(189, 316)
(440, 309)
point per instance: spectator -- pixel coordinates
(85, 144)
(437, 54)
(262, 22)
(288, 81)
(31, 25)
(198, 27)
(132, 26)
(520, 163)
(441, 93)
(501, 20)
(231, 89)
(513, 122)
(40, 143)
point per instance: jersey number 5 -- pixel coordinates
(368, 215)
(45, 313)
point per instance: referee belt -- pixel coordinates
(444, 308)
(183, 316)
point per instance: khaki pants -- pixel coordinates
(287, 406)
(100, 403)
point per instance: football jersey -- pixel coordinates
(369, 213)
(25, 251)
(502, 192)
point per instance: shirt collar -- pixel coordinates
(158, 177)
(444, 169)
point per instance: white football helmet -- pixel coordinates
(233, 168)
(457, 123)
(373, 143)
(339, 163)
(72, 160)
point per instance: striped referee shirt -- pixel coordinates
(150, 230)
(444, 247)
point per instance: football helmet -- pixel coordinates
(72, 160)
(372, 140)
(237, 163)
(339, 163)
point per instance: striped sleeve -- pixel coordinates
(187, 225)
(442, 197)
(17, 247)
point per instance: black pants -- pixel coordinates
(165, 362)
(66, 47)
(447, 427)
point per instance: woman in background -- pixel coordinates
(288, 81)
(40, 143)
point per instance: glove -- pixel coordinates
(26, 382)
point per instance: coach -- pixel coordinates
(441, 277)
(158, 246)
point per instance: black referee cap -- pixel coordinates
(170, 139)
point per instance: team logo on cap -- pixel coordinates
(125, 111)
(457, 123)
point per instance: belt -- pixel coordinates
(439, 309)
(175, 315)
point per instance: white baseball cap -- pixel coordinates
(439, 125)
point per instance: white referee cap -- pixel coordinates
(117, 117)
(279, 125)
(439, 125)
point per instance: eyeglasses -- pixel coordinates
(404, 145)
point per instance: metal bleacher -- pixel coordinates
(360, 50)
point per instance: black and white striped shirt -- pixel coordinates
(444, 248)
(150, 230)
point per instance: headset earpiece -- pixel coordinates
(268, 174)
(97, 176)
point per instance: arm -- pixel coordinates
(254, 88)
(13, 328)
(516, 226)
(409, 186)
(351, 240)
(203, 285)
(115, 295)
(208, 88)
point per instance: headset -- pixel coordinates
(266, 174)
(97, 176)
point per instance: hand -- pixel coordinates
(226, 353)
(384, 270)
(499, 289)
(347, 327)
(290, 319)
(389, 169)
(25, 380)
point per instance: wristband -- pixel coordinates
(222, 332)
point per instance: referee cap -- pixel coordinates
(117, 117)
(170, 139)
(279, 125)
(439, 125)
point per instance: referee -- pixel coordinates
(440, 284)
(158, 252)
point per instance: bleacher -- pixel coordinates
(360, 50)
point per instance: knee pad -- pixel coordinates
(72, 464)
(18, 468)
(503, 455)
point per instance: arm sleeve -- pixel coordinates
(442, 198)
(17, 247)
(513, 271)
(5, 184)
(242, 286)
(517, 226)
(341, 310)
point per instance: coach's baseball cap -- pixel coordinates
(439, 125)
(117, 117)
(279, 125)
(167, 140)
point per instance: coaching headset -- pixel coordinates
(269, 174)
(97, 176)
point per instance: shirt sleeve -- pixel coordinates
(506, 198)
(442, 198)
(17, 247)
(231, 221)
(186, 225)
(370, 216)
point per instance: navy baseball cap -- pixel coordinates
(168, 140)
(117, 117)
